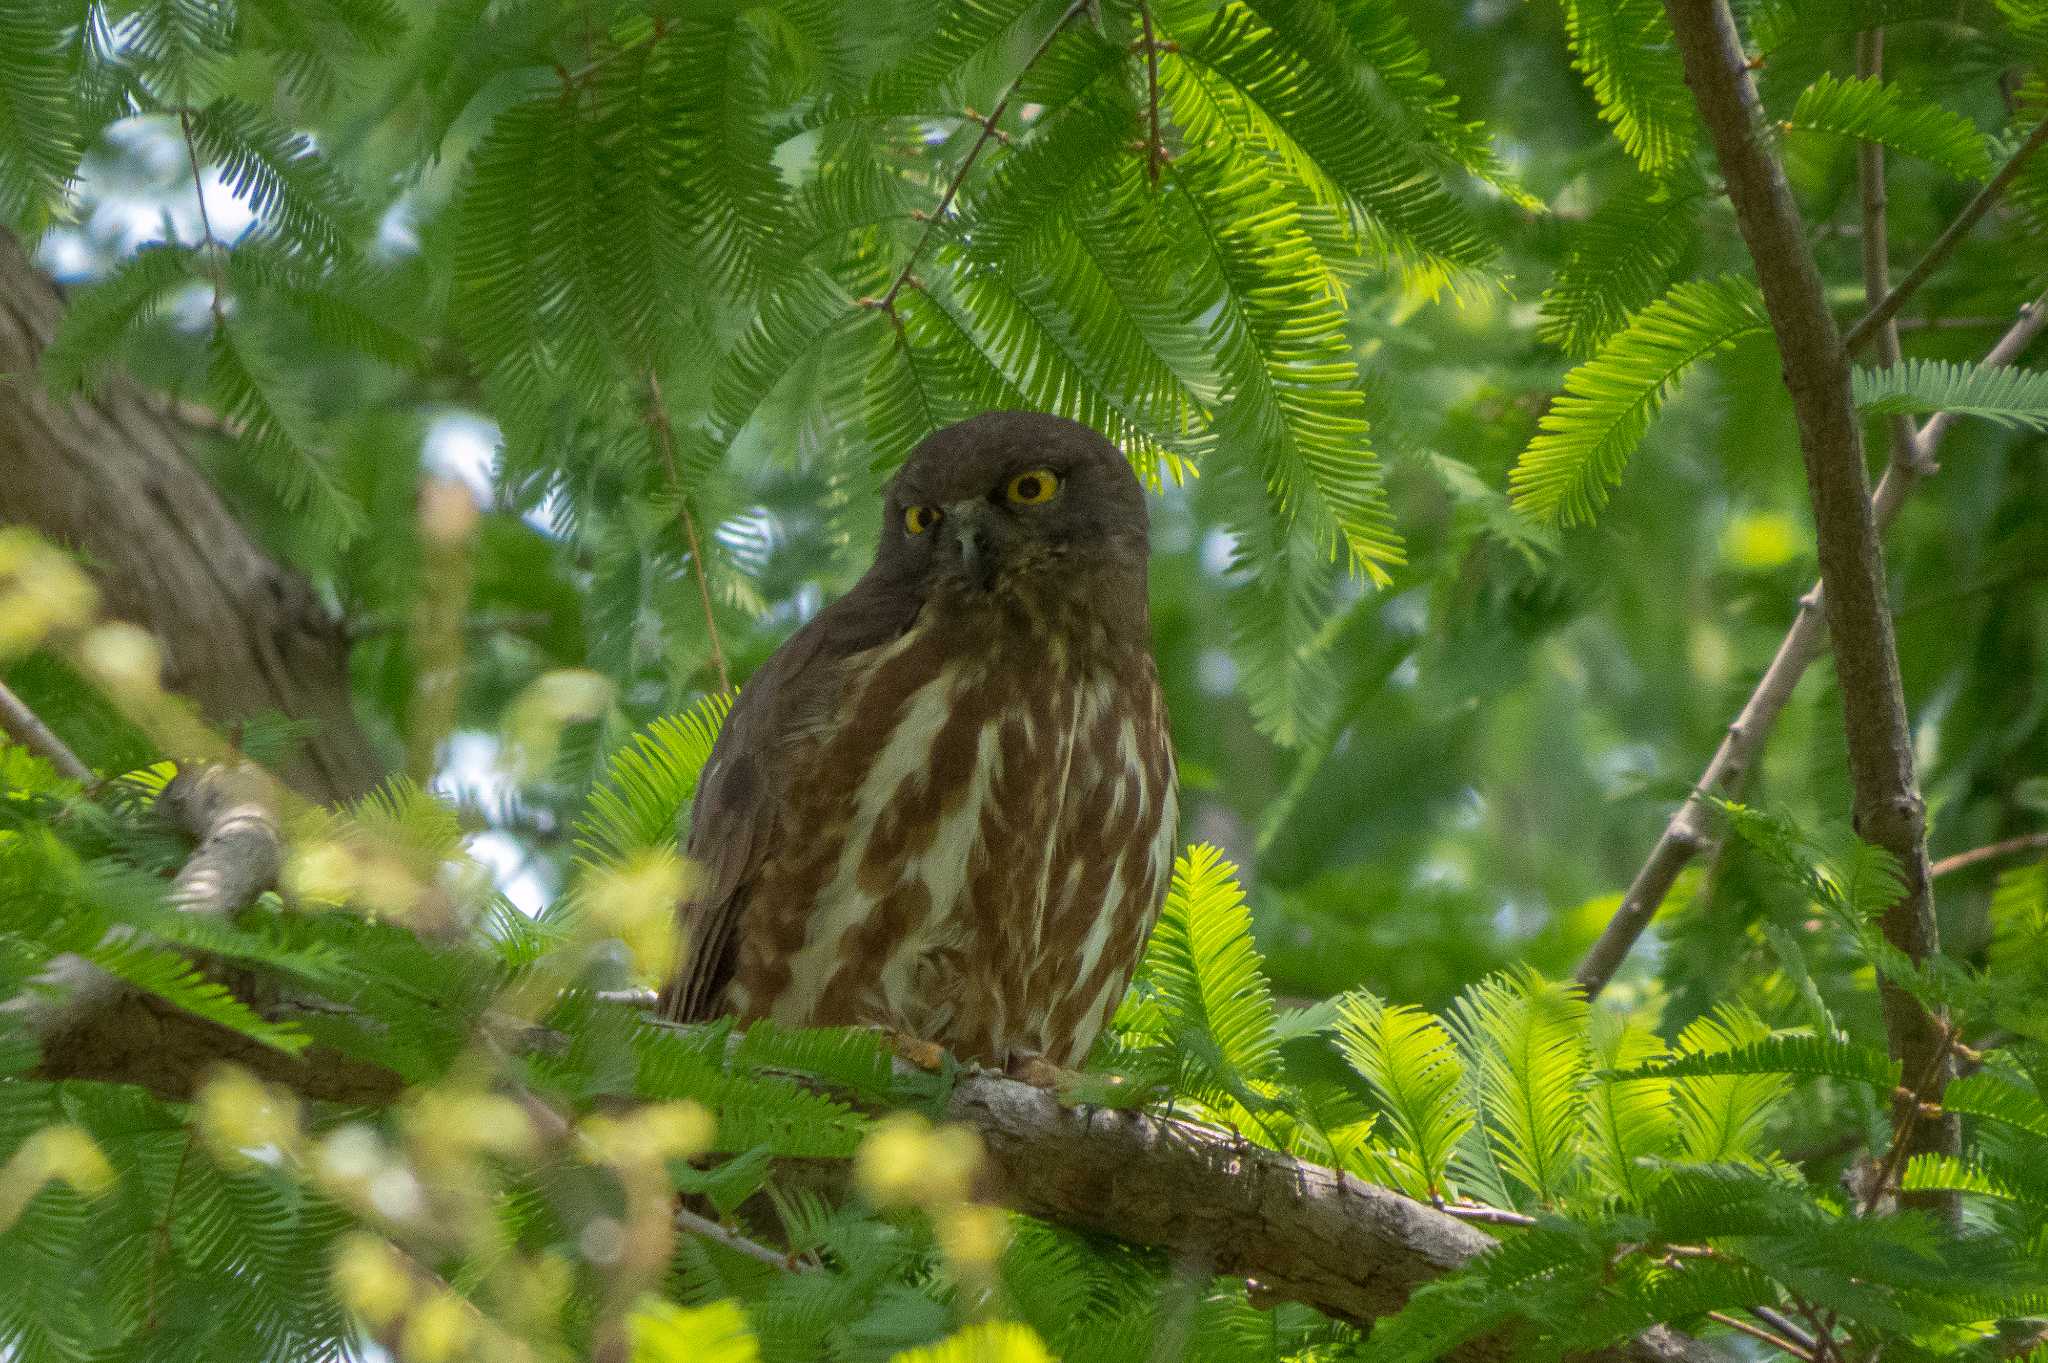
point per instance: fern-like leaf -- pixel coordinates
(177, 981)
(277, 173)
(1619, 261)
(648, 784)
(39, 134)
(1627, 1110)
(1805, 1056)
(1876, 110)
(1625, 50)
(98, 317)
(1525, 1039)
(1585, 439)
(1415, 1073)
(1720, 1117)
(278, 433)
(2004, 394)
(1209, 981)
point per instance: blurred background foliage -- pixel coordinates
(614, 267)
(1424, 778)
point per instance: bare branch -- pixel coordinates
(1876, 253)
(657, 414)
(1976, 856)
(1889, 811)
(1687, 833)
(1888, 306)
(241, 848)
(23, 726)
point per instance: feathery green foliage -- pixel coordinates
(1587, 436)
(1878, 111)
(1621, 260)
(2005, 394)
(1418, 1077)
(1625, 50)
(1527, 1040)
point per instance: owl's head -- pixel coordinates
(1007, 498)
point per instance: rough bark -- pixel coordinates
(1302, 1232)
(1888, 810)
(107, 475)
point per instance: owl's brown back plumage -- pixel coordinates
(947, 805)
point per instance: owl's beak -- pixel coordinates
(970, 527)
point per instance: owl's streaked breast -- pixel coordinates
(916, 886)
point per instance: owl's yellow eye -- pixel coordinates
(918, 519)
(1034, 487)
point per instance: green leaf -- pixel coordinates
(176, 980)
(1985, 1094)
(1807, 1056)
(279, 175)
(648, 784)
(1625, 50)
(1414, 1070)
(39, 134)
(1209, 981)
(101, 315)
(1628, 1108)
(1879, 111)
(2020, 1184)
(989, 1342)
(1585, 439)
(2005, 394)
(1619, 261)
(276, 431)
(666, 1333)
(1525, 1039)
(1720, 1117)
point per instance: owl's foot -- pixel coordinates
(926, 1055)
(1037, 1071)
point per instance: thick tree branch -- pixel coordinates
(241, 848)
(1301, 1231)
(1888, 809)
(107, 475)
(1687, 833)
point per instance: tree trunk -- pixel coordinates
(107, 475)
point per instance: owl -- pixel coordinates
(946, 807)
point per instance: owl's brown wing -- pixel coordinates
(741, 799)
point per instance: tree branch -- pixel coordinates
(1303, 1232)
(2011, 847)
(1687, 834)
(1887, 307)
(1887, 807)
(1876, 252)
(241, 848)
(23, 726)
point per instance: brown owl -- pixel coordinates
(946, 807)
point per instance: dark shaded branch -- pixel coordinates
(1888, 810)
(1687, 833)
(23, 726)
(1887, 307)
(1875, 241)
(657, 414)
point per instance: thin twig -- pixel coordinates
(1758, 1332)
(887, 301)
(23, 726)
(658, 414)
(1976, 856)
(1888, 306)
(1876, 252)
(1491, 1216)
(211, 242)
(1778, 1321)
(1686, 833)
(1155, 149)
(705, 1227)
